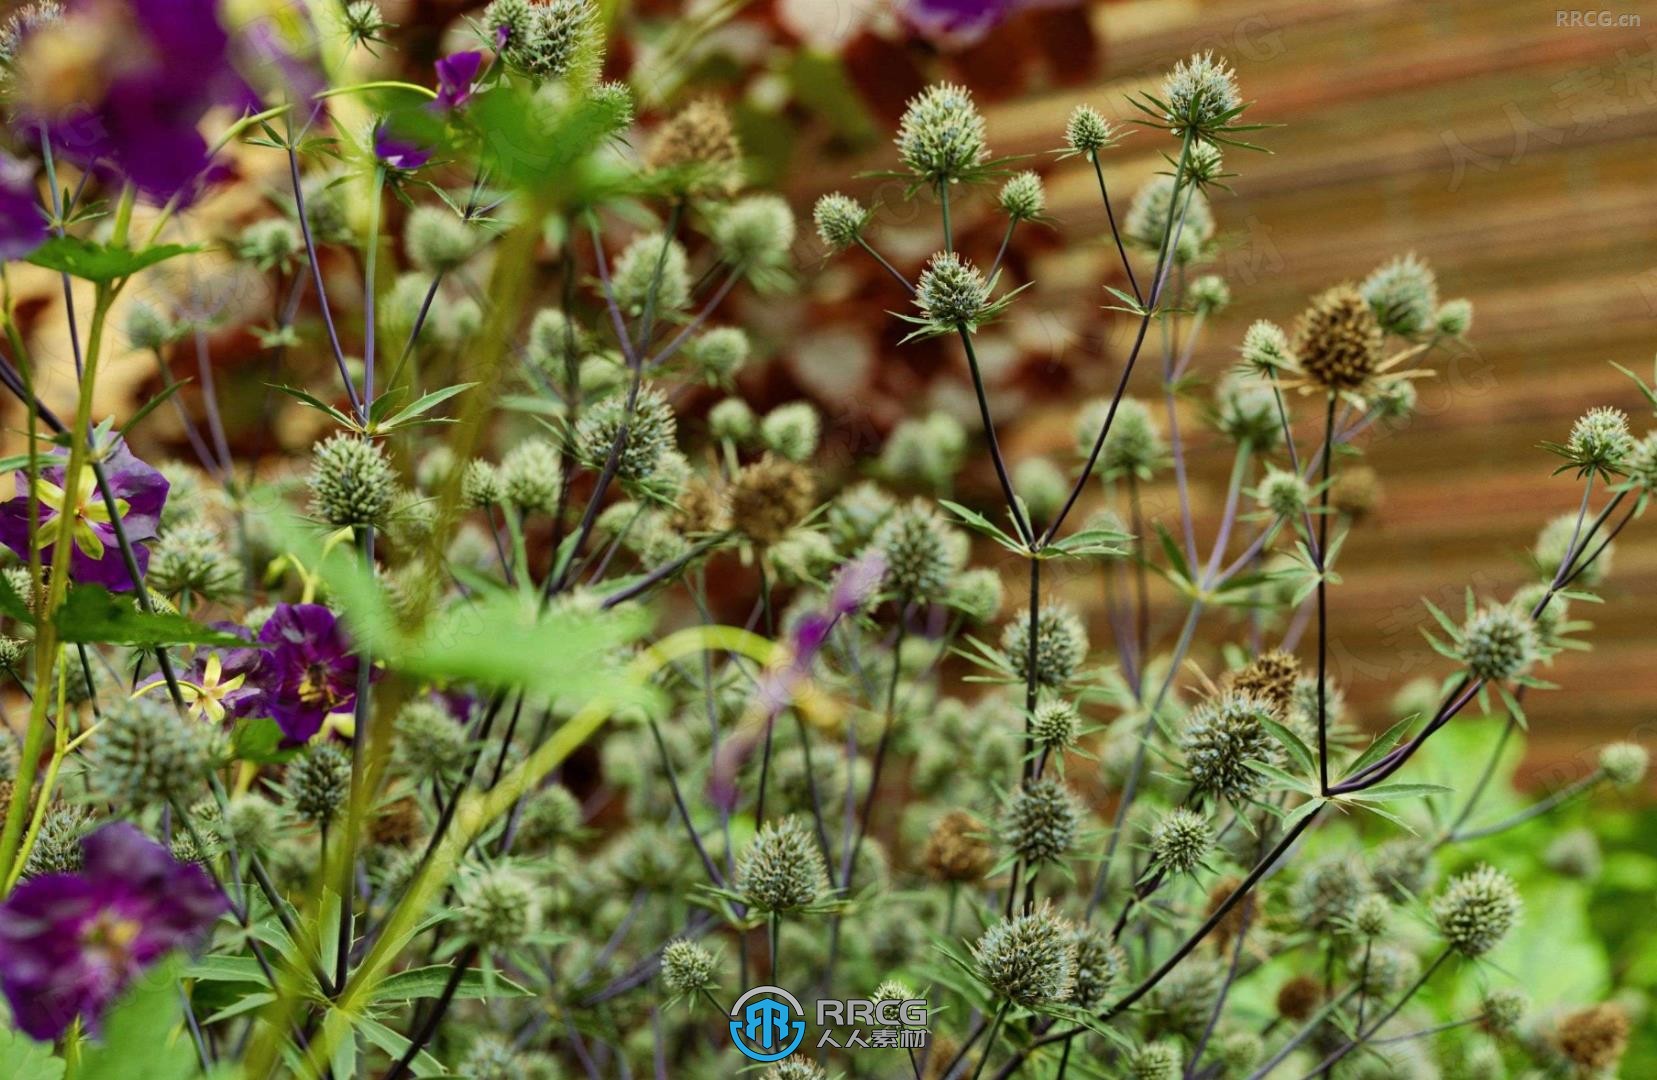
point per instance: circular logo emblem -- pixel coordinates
(767, 1023)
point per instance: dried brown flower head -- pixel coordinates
(1593, 1039)
(1357, 492)
(957, 849)
(397, 824)
(699, 144)
(1271, 677)
(770, 497)
(1299, 997)
(1339, 340)
(702, 508)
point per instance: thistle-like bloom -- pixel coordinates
(1266, 348)
(140, 493)
(70, 944)
(1220, 740)
(318, 783)
(1201, 94)
(1100, 965)
(698, 150)
(688, 967)
(647, 274)
(792, 430)
(1153, 1061)
(1133, 446)
(497, 908)
(755, 232)
(309, 671)
(1055, 724)
(1061, 645)
(1403, 293)
(1339, 340)
(1476, 910)
(1624, 763)
(952, 292)
(1040, 822)
(1282, 493)
(797, 1067)
(1180, 841)
(1599, 442)
(1087, 132)
(1497, 643)
(770, 497)
(1022, 197)
(1153, 217)
(1594, 1039)
(941, 135)
(782, 870)
(956, 849)
(840, 220)
(1030, 960)
(651, 428)
(921, 559)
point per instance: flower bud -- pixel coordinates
(952, 292)
(147, 755)
(431, 745)
(1221, 739)
(1624, 763)
(480, 484)
(351, 481)
(1061, 645)
(529, 475)
(318, 782)
(941, 135)
(1153, 1061)
(1040, 821)
(1030, 960)
(792, 430)
(688, 968)
(1199, 93)
(921, 563)
(718, 353)
(1181, 840)
(651, 432)
(1022, 197)
(1055, 725)
(840, 220)
(190, 558)
(770, 497)
(1403, 293)
(636, 278)
(732, 419)
(1454, 318)
(956, 850)
(782, 870)
(438, 241)
(1087, 132)
(1476, 910)
(755, 231)
(497, 908)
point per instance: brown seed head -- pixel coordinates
(1298, 998)
(770, 497)
(957, 849)
(702, 508)
(396, 824)
(1339, 340)
(1270, 677)
(700, 141)
(1593, 1039)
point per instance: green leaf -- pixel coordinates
(408, 413)
(395, 1046)
(142, 1035)
(317, 403)
(226, 969)
(91, 613)
(259, 740)
(1381, 746)
(1390, 792)
(99, 262)
(972, 519)
(1301, 752)
(26, 1059)
(428, 982)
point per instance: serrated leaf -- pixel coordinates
(1381, 746)
(99, 262)
(428, 982)
(1293, 743)
(92, 614)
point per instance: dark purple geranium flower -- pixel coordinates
(137, 105)
(403, 155)
(958, 23)
(140, 493)
(308, 672)
(456, 74)
(71, 943)
(22, 225)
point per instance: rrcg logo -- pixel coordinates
(767, 1023)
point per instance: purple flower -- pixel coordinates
(71, 943)
(308, 672)
(456, 75)
(958, 23)
(854, 587)
(22, 225)
(220, 683)
(135, 105)
(400, 154)
(140, 493)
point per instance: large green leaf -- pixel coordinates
(142, 1035)
(98, 262)
(91, 613)
(25, 1059)
(506, 640)
(428, 982)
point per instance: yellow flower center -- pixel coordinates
(85, 509)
